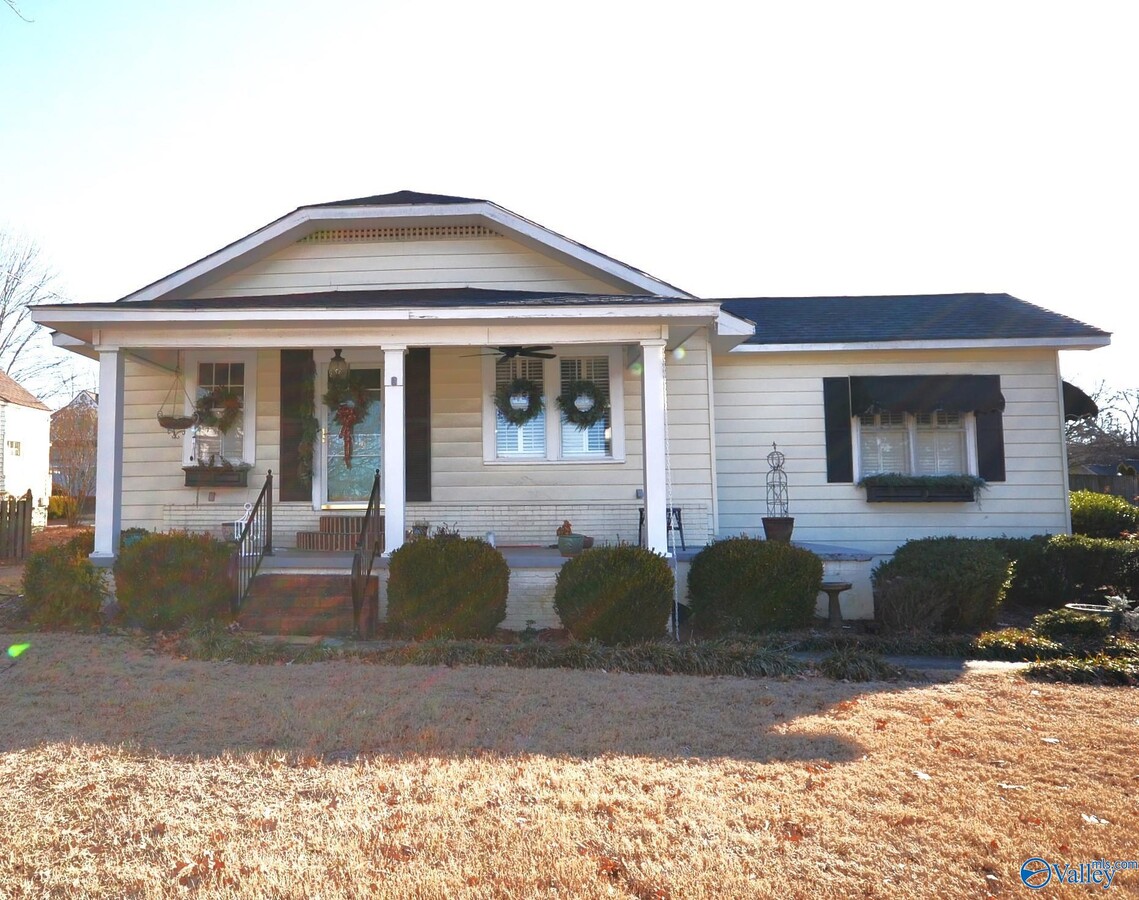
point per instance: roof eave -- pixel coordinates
(1081, 342)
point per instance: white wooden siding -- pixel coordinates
(762, 398)
(485, 262)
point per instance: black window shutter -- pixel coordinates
(836, 415)
(990, 446)
(417, 423)
(296, 369)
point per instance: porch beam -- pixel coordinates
(393, 481)
(109, 472)
(653, 443)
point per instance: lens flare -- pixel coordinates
(16, 649)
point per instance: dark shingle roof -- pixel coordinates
(399, 198)
(912, 317)
(11, 391)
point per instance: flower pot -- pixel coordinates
(778, 528)
(571, 544)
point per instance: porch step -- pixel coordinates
(337, 534)
(319, 605)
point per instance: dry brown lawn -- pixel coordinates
(130, 774)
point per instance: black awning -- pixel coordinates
(925, 393)
(1077, 404)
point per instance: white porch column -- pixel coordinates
(109, 473)
(393, 480)
(653, 440)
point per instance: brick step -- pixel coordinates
(300, 604)
(322, 540)
(341, 524)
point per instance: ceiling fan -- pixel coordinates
(509, 352)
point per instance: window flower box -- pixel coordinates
(216, 476)
(921, 488)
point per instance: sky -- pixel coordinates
(731, 149)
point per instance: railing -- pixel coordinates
(254, 543)
(367, 546)
(15, 526)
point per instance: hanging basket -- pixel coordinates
(176, 423)
(167, 415)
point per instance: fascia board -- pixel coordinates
(1058, 343)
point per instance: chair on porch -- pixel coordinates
(675, 523)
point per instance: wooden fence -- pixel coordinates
(15, 526)
(1126, 486)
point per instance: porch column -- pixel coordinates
(393, 479)
(109, 471)
(653, 442)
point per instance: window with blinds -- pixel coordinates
(906, 444)
(884, 444)
(520, 441)
(597, 440)
(210, 442)
(939, 444)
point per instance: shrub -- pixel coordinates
(60, 506)
(166, 580)
(1087, 670)
(747, 585)
(944, 583)
(1079, 568)
(616, 595)
(1102, 515)
(447, 586)
(62, 589)
(1016, 645)
(1030, 586)
(1065, 624)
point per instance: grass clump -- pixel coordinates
(855, 664)
(616, 595)
(743, 585)
(1017, 645)
(447, 586)
(62, 589)
(1097, 669)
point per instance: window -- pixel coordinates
(548, 437)
(913, 444)
(226, 373)
(14, 448)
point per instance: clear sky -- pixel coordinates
(743, 149)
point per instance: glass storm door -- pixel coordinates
(348, 477)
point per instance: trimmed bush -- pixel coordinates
(59, 506)
(1031, 586)
(165, 581)
(447, 586)
(1065, 624)
(746, 585)
(61, 587)
(1102, 515)
(1085, 569)
(616, 595)
(944, 583)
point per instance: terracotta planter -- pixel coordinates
(778, 528)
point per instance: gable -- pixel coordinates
(406, 257)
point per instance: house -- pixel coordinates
(448, 311)
(73, 449)
(24, 447)
(82, 404)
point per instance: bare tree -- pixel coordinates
(12, 6)
(26, 352)
(73, 452)
(1110, 437)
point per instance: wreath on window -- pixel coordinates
(583, 404)
(519, 401)
(220, 409)
(349, 404)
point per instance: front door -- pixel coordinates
(350, 457)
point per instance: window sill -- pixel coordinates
(905, 493)
(542, 461)
(215, 476)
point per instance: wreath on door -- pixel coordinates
(349, 405)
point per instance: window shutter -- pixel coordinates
(836, 414)
(296, 366)
(417, 423)
(990, 446)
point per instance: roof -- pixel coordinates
(415, 298)
(909, 317)
(398, 198)
(11, 391)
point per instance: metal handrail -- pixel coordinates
(366, 548)
(253, 544)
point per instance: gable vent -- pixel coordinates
(408, 233)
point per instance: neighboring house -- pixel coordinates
(436, 302)
(84, 400)
(24, 425)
